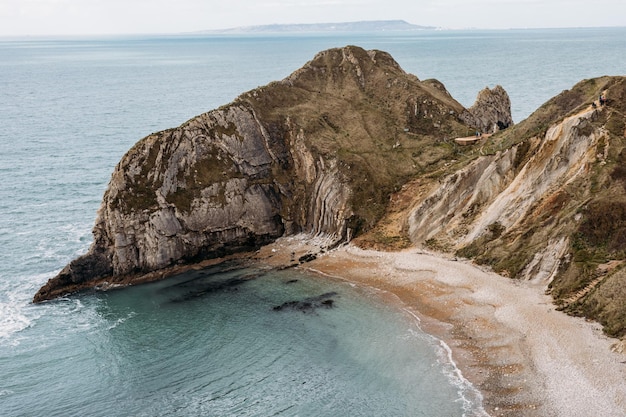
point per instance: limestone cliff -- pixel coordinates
(544, 201)
(319, 152)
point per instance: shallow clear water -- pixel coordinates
(69, 109)
(211, 343)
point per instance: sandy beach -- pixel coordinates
(506, 336)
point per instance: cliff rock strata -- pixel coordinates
(544, 201)
(318, 152)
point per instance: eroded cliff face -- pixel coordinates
(545, 201)
(218, 184)
(178, 195)
(318, 152)
(493, 193)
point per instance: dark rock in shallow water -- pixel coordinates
(201, 289)
(309, 305)
(202, 286)
(307, 258)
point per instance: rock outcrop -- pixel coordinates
(319, 152)
(491, 112)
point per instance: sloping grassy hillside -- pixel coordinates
(382, 125)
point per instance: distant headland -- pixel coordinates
(360, 26)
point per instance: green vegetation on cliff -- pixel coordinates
(382, 125)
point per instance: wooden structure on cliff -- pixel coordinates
(470, 140)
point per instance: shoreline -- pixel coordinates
(457, 378)
(505, 336)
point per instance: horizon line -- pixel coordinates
(241, 30)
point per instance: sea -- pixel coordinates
(226, 341)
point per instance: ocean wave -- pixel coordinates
(36, 254)
(16, 313)
(471, 399)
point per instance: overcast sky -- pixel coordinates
(56, 17)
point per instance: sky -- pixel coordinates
(93, 17)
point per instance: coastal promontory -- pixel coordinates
(350, 147)
(319, 152)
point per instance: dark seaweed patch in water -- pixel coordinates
(200, 289)
(202, 283)
(309, 305)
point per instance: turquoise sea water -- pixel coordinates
(213, 344)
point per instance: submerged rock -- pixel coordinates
(307, 258)
(309, 305)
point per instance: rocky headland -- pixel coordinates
(350, 148)
(319, 152)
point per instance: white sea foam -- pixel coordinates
(470, 398)
(5, 392)
(121, 320)
(16, 310)
(12, 320)
(75, 240)
(77, 233)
